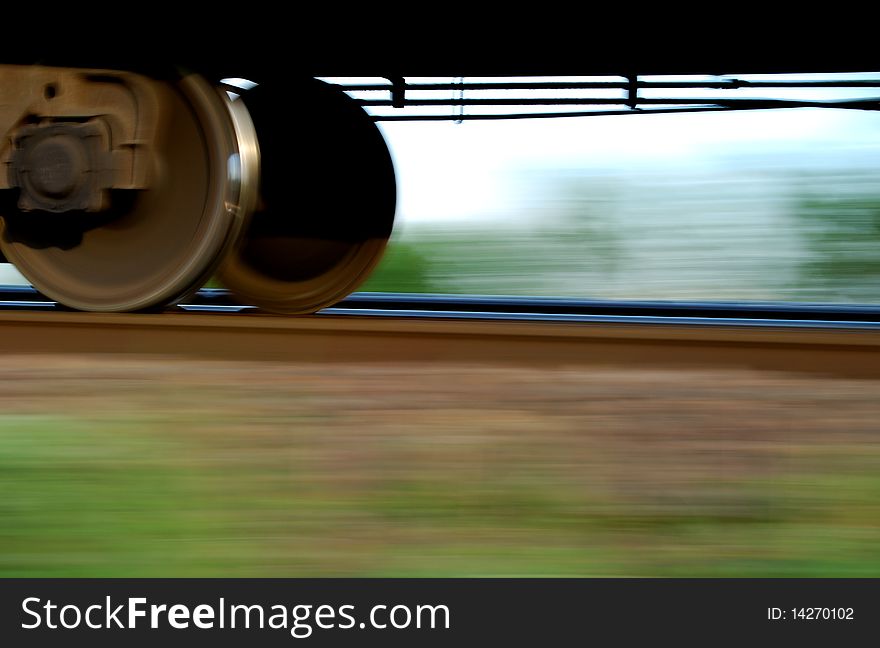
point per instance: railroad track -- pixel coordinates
(377, 327)
(798, 315)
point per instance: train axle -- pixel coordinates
(121, 191)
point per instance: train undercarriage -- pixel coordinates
(127, 188)
(126, 192)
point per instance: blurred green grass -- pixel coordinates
(184, 490)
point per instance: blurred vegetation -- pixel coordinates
(765, 235)
(839, 219)
(132, 509)
(403, 268)
(242, 469)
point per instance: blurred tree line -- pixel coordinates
(800, 237)
(838, 218)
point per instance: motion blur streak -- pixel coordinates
(755, 231)
(138, 466)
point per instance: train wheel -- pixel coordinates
(327, 200)
(151, 247)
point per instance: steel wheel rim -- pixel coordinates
(324, 267)
(164, 242)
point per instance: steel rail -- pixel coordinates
(438, 306)
(841, 350)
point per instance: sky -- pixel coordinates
(454, 172)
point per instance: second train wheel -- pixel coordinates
(327, 199)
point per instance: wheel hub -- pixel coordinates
(61, 167)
